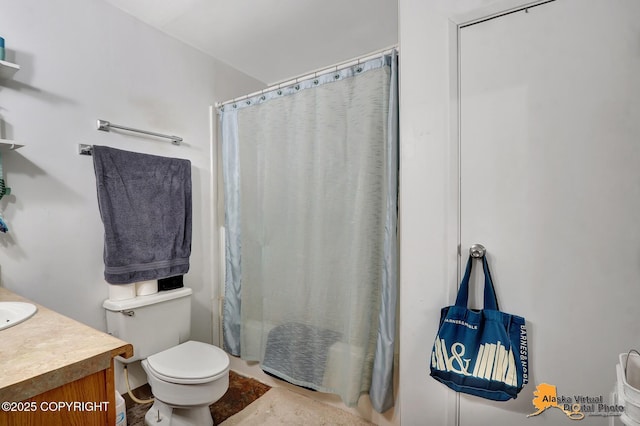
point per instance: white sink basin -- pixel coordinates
(12, 313)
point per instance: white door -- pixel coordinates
(550, 184)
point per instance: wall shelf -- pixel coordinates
(8, 69)
(8, 145)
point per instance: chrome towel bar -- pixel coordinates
(106, 126)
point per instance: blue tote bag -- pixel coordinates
(480, 352)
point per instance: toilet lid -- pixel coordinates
(189, 362)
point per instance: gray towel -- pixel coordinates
(145, 205)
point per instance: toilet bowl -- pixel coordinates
(185, 376)
(185, 380)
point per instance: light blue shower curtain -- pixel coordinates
(310, 182)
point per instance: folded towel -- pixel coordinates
(145, 206)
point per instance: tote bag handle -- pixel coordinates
(490, 300)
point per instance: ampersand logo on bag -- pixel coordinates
(493, 361)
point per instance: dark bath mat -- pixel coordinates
(242, 392)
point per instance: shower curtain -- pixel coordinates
(310, 184)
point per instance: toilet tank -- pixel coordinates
(151, 323)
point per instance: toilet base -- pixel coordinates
(161, 414)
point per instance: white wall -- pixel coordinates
(82, 60)
(428, 209)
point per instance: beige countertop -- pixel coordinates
(49, 350)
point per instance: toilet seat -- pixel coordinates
(189, 363)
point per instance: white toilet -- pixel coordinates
(185, 376)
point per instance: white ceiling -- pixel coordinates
(273, 40)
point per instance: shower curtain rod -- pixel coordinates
(312, 74)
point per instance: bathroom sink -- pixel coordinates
(12, 313)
